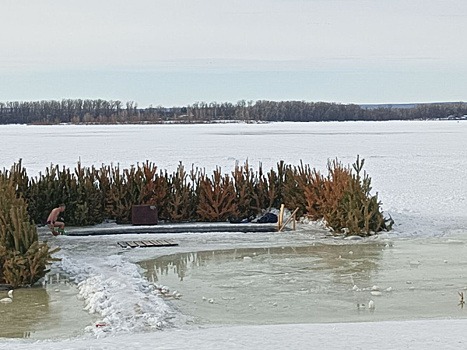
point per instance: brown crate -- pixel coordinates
(144, 215)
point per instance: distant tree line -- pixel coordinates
(78, 111)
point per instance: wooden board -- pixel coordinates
(147, 243)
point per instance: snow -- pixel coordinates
(418, 168)
(427, 335)
(111, 291)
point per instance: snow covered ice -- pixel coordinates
(418, 169)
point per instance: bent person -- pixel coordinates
(52, 221)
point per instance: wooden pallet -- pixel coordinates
(148, 243)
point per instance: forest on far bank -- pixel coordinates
(98, 111)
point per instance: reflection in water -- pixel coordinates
(29, 306)
(343, 261)
(268, 285)
(43, 312)
(335, 282)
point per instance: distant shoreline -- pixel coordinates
(100, 112)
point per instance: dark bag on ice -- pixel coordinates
(268, 218)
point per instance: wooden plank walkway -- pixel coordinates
(147, 243)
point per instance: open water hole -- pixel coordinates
(405, 279)
(44, 312)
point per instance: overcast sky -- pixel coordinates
(175, 52)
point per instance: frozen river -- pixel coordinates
(418, 168)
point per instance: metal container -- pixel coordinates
(144, 215)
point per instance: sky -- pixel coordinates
(175, 52)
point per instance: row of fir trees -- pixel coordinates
(92, 195)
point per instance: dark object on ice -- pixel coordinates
(144, 215)
(4, 286)
(235, 220)
(269, 218)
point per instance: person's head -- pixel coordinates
(62, 207)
